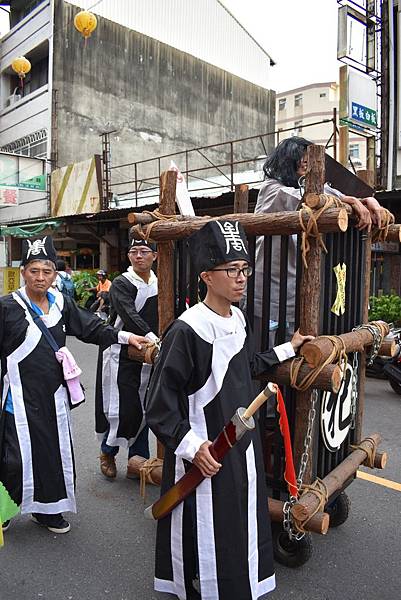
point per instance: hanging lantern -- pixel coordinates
(85, 22)
(21, 66)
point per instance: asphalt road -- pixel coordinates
(108, 555)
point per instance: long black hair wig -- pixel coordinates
(283, 162)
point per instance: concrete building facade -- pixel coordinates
(155, 96)
(301, 111)
(204, 29)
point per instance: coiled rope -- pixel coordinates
(338, 354)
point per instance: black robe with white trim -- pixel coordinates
(121, 383)
(203, 374)
(30, 370)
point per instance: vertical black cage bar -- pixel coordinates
(267, 270)
(282, 313)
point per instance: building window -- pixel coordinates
(298, 99)
(33, 145)
(323, 94)
(297, 127)
(21, 9)
(354, 150)
(282, 103)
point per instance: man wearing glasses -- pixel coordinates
(121, 383)
(217, 543)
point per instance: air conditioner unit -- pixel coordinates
(12, 99)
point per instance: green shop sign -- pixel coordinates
(33, 183)
(363, 114)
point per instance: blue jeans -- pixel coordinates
(140, 447)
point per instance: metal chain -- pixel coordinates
(293, 534)
(308, 438)
(301, 183)
(354, 388)
(377, 341)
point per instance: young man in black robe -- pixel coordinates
(36, 453)
(121, 383)
(221, 533)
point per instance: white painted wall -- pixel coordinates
(26, 116)
(32, 112)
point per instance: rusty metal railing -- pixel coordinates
(206, 169)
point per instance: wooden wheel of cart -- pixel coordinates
(339, 510)
(290, 553)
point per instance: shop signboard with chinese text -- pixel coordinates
(359, 107)
(9, 196)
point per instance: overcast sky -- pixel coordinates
(3, 21)
(300, 36)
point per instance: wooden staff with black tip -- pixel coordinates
(240, 423)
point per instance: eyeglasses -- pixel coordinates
(235, 272)
(140, 252)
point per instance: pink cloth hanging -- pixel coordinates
(71, 374)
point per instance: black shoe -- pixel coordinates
(6, 525)
(54, 523)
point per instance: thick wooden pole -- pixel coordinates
(241, 198)
(329, 379)
(316, 201)
(165, 263)
(309, 314)
(281, 223)
(394, 233)
(165, 260)
(319, 523)
(318, 350)
(336, 479)
(344, 144)
(388, 348)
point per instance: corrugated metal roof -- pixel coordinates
(203, 28)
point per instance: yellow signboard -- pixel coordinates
(9, 279)
(76, 188)
(340, 272)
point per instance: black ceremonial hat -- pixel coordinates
(134, 242)
(216, 243)
(38, 249)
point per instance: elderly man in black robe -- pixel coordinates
(39, 384)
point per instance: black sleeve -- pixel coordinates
(167, 407)
(259, 361)
(86, 326)
(122, 295)
(263, 361)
